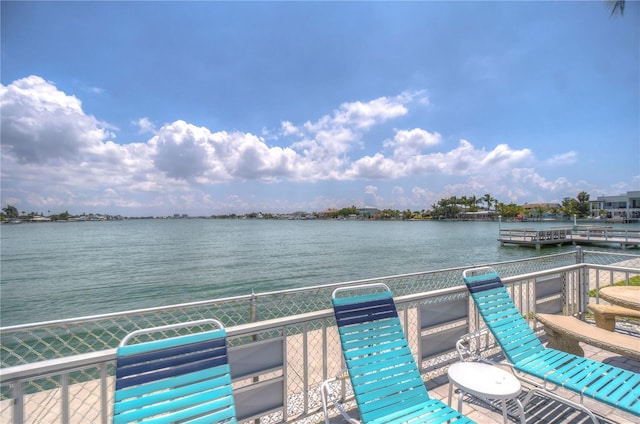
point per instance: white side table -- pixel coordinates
(485, 381)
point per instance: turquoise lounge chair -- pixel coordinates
(387, 384)
(179, 379)
(611, 385)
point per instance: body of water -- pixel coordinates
(64, 270)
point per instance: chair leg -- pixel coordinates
(521, 411)
(504, 411)
(325, 393)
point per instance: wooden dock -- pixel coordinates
(576, 235)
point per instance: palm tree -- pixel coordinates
(473, 201)
(616, 6)
(488, 200)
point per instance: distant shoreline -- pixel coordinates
(290, 218)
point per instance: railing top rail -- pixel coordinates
(603, 253)
(153, 310)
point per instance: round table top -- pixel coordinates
(627, 296)
(484, 380)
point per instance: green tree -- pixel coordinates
(489, 200)
(347, 211)
(10, 211)
(569, 206)
(509, 211)
(447, 208)
(390, 214)
(64, 216)
(582, 204)
(473, 203)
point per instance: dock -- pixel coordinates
(576, 235)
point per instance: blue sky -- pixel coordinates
(155, 108)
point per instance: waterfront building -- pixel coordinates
(483, 214)
(368, 211)
(40, 219)
(623, 207)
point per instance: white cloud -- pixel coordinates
(563, 159)
(504, 156)
(41, 123)
(288, 128)
(371, 197)
(370, 189)
(334, 135)
(47, 137)
(184, 151)
(374, 167)
(407, 143)
(465, 160)
(364, 115)
(145, 126)
(96, 90)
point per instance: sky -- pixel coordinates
(201, 108)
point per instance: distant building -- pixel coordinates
(624, 207)
(368, 211)
(40, 219)
(480, 215)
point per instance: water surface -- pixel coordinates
(65, 270)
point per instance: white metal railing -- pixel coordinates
(79, 388)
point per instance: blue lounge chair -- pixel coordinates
(611, 385)
(179, 379)
(387, 384)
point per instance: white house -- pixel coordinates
(624, 207)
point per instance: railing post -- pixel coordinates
(104, 393)
(253, 307)
(583, 284)
(18, 403)
(579, 255)
(584, 291)
(253, 317)
(64, 390)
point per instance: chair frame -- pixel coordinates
(558, 369)
(387, 384)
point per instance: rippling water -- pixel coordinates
(64, 270)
